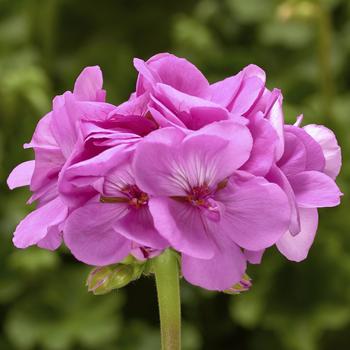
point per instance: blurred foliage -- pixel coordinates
(303, 45)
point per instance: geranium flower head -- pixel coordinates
(210, 171)
(204, 205)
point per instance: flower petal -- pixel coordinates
(90, 236)
(133, 107)
(206, 156)
(156, 167)
(313, 189)
(257, 212)
(173, 71)
(42, 137)
(21, 175)
(223, 92)
(67, 112)
(214, 152)
(274, 114)
(294, 158)
(52, 240)
(221, 272)
(250, 90)
(138, 226)
(162, 115)
(193, 111)
(182, 225)
(35, 226)
(276, 176)
(315, 159)
(331, 150)
(264, 144)
(88, 85)
(254, 257)
(296, 248)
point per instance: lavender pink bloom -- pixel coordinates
(209, 170)
(53, 143)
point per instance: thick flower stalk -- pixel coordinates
(186, 178)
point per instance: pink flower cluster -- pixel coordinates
(210, 170)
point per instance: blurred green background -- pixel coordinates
(304, 46)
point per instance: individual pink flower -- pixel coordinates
(53, 143)
(96, 149)
(306, 168)
(115, 223)
(181, 96)
(204, 205)
(306, 171)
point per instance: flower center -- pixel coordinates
(200, 197)
(137, 198)
(134, 197)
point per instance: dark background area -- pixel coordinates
(304, 46)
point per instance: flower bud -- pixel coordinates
(97, 281)
(103, 280)
(242, 286)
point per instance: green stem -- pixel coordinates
(166, 269)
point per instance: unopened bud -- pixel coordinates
(102, 280)
(98, 279)
(242, 286)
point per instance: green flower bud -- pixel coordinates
(98, 280)
(121, 276)
(103, 280)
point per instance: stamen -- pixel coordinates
(133, 196)
(137, 198)
(200, 197)
(221, 185)
(113, 199)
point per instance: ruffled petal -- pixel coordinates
(221, 272)
(313, 189)
(262, 155)
(173, 71)
(223, 92)
(254, 257)
(274, 114)
(63, 124)
(89, 234)
(257, 213)
(138, 226)
(206, 156)
(35, 226)
(276, 176)
(331, 150)
(52, 240)
(78, 178)
(251, 89)
(67, 112)
(315, 159)
(214, 152)
(294, 158)
(192, 111)
(21, 175)
(296, 248)
(42, 137)
(88, 85)
(183, 226)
